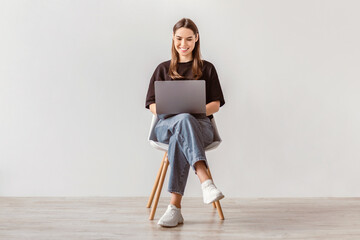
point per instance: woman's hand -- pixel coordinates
(212, 107)
(153, 108)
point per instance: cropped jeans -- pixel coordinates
(187, 136)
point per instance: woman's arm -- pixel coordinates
(212, 107)
(153, 108)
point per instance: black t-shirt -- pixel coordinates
(213, 88)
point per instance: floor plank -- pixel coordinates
(47, 218)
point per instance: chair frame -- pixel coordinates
(160, 177)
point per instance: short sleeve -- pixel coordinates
(150, 97)
(214, 91)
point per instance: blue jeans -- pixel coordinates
(187, 136)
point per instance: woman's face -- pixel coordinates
(184, 42)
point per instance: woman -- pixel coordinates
(186, 134)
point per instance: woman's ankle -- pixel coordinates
(178, 205)
(176, 199)
(201, 171)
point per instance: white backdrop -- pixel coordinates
(74, 75)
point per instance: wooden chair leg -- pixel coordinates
(159, 188)
(156, 183)
(217, 203)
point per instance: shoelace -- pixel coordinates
(172, 212)
(211, 187)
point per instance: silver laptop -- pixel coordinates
(180, 96)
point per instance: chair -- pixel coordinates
(156, 191)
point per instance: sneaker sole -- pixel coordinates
(169, 226)
(216, 199)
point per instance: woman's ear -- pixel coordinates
(197, 37)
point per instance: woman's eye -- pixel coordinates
(186, 39)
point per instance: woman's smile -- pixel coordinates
(182, 49)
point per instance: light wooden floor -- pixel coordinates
(127, 218)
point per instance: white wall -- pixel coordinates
(74, 75)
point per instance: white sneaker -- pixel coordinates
(172, 217)
(210, 192)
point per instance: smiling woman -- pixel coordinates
(187, 135)
(185, 47)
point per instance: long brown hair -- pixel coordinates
(197, 63)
